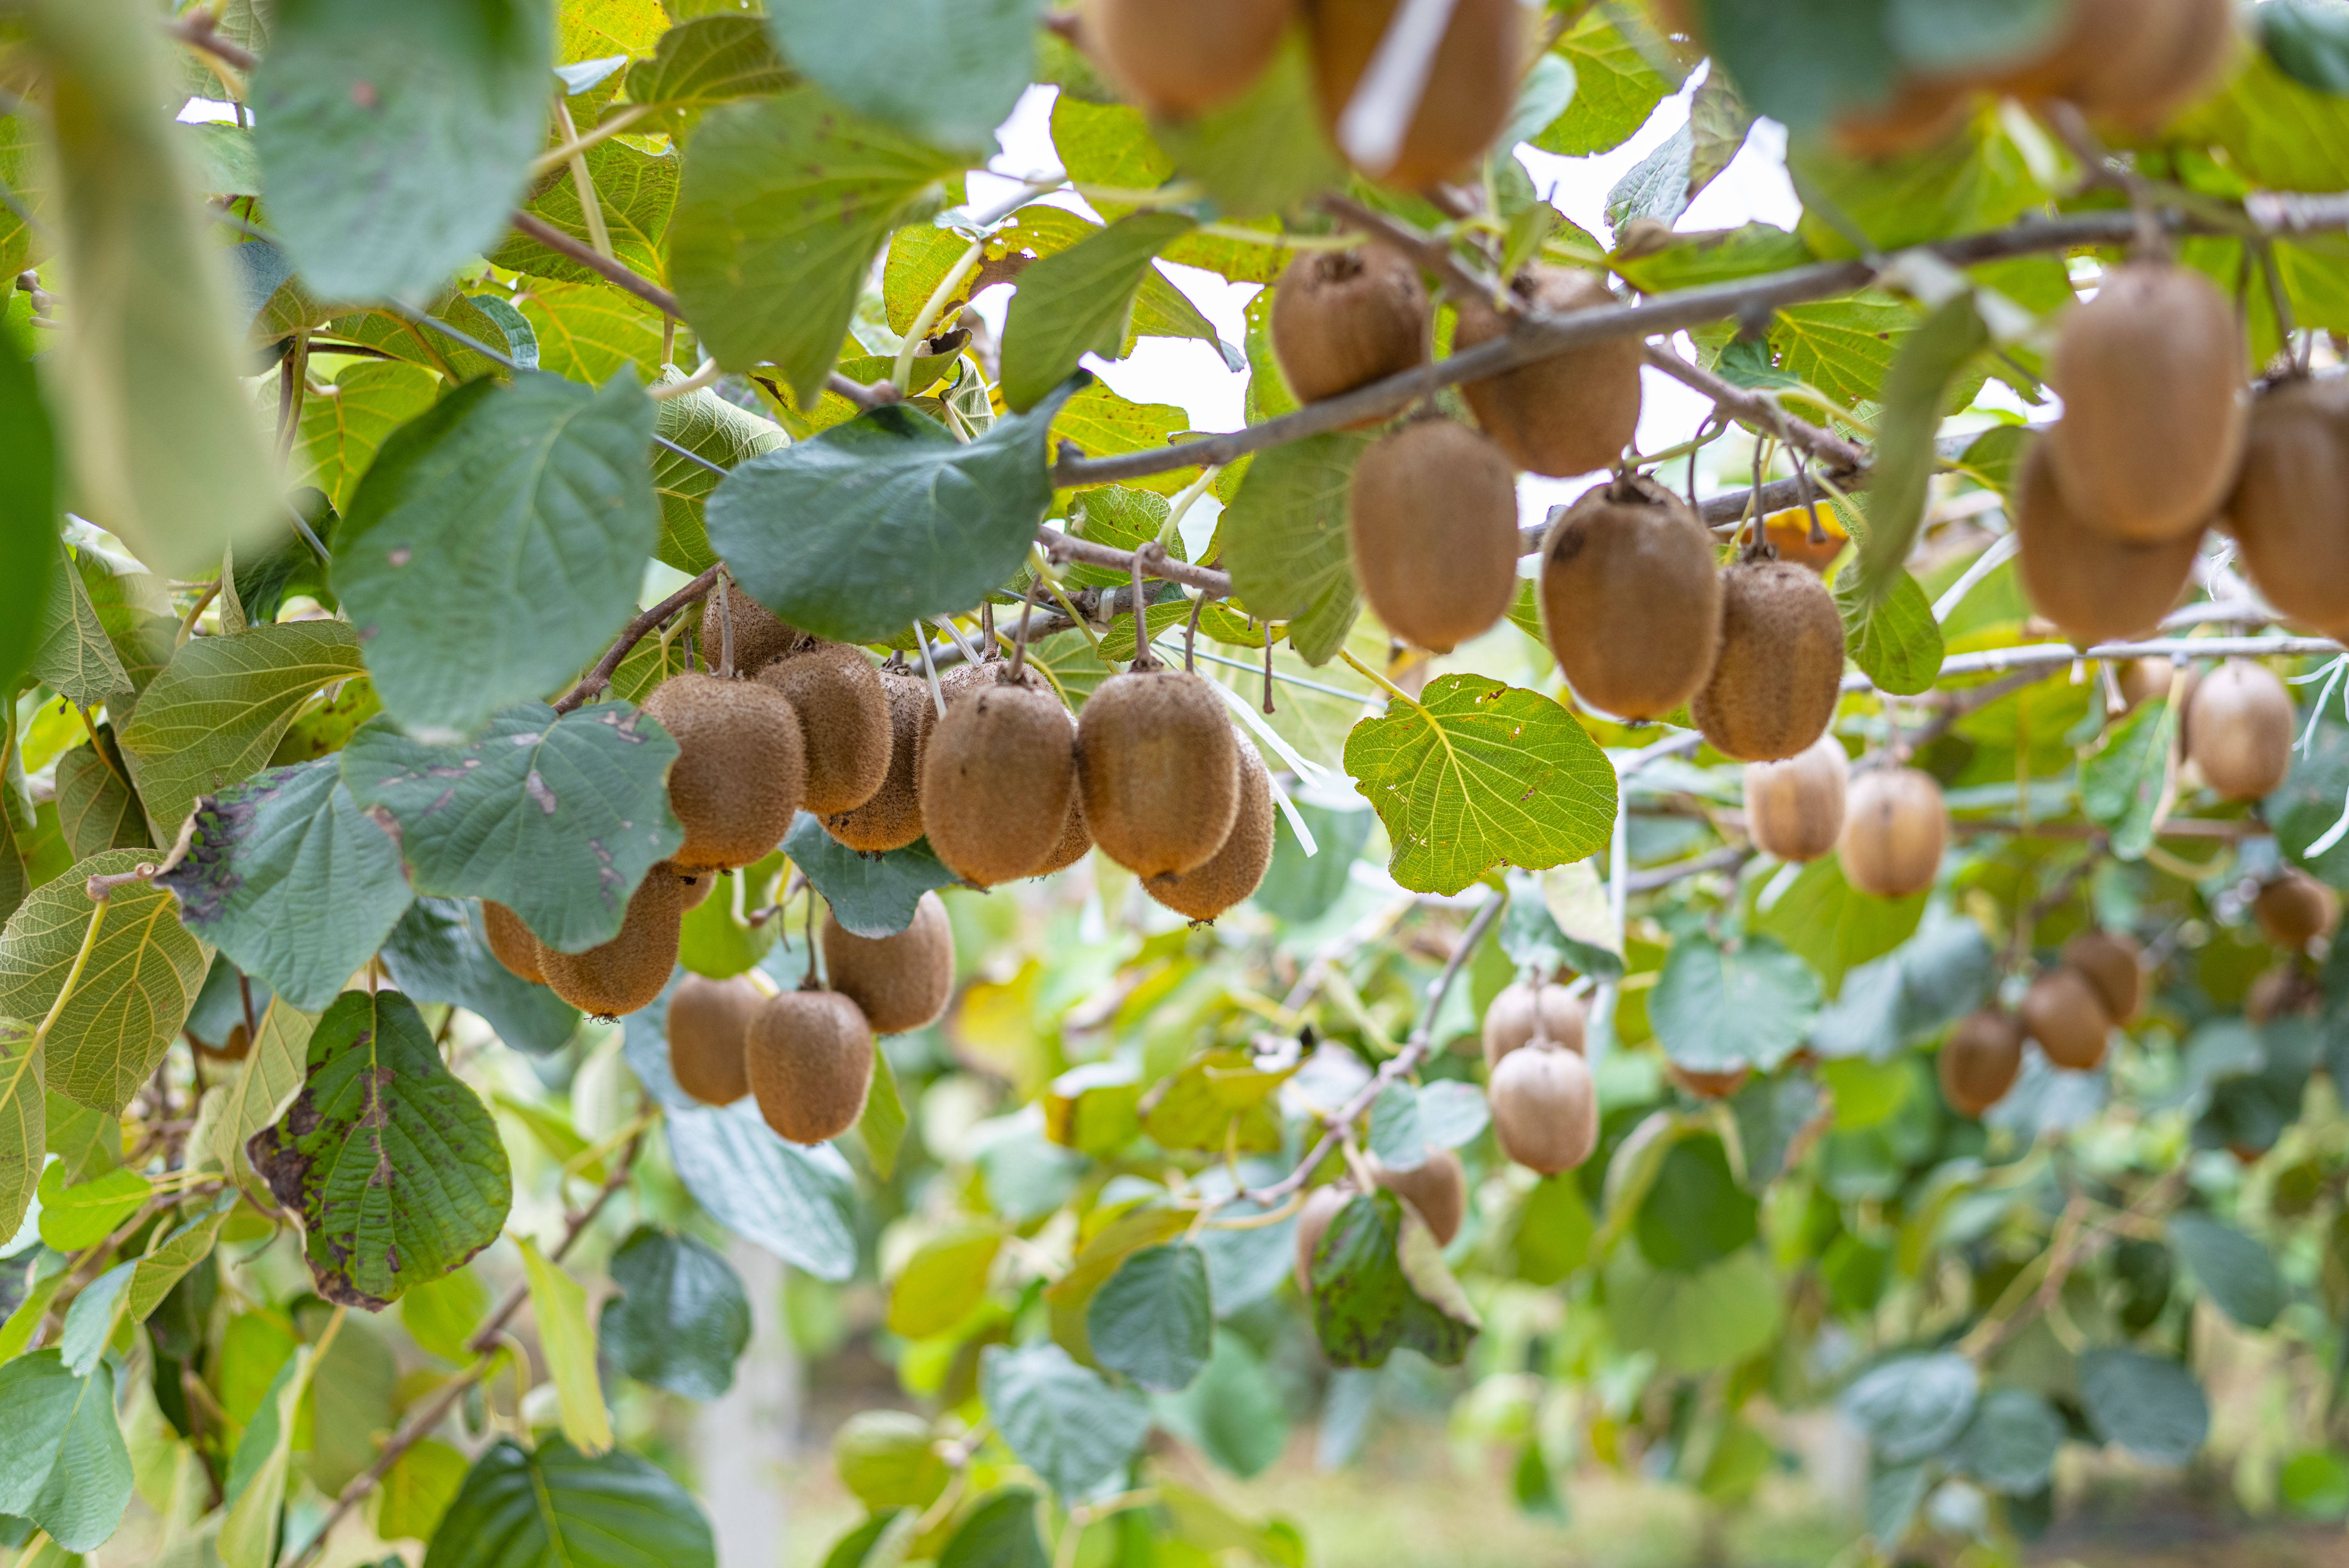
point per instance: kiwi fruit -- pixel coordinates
(1894, 832)
(1921, 111)
(1343, 319)
(1708, 1086)
(2062, 1012)
(234, 1047)
(843, 717)
(997, 773)
(2290, 510)
(1981, 1062)
(739, 771)
(1545, 1109)
(891, 818)
(1522, 1010)
(1236, 870)
(2239, 730)
(1630, 599)
(899, 981)
(2144, 680)
(511, 942)
(1183, 60)
(1795, 808)
(1774, 689)
(2095, 588)
(1471, 84)
(1572, 412)
(1433, 516)
(2134, 62)
(629, 970)
(709, 1029)
(2114, 966)
(760, 639)
(2286, 991)
(1158, 769)
(1321, 1206)
(1437, 1190)
(2156, 401)
(696, 887)
(2295, 909)
(809, 1056)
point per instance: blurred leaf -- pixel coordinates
(1694, 1214)
(1000, 1532)
(1912, 1407)
(441, 1314)
(68, 1470)
(2012, 1443)
(1265, 151)
(975, 60)
(796, 1203)
(256, 1480)
(941, 1283)
(2121, 785)
(2233, 1269)
(554, 1506)
(28, 514)
(417, 1491)
(1694, 1323)
(1380, 1283)
(2309, 42)
(440, 952)
(1155, 1319)
(567, 1340)
(78, 1216)
(23, 1122)
(1220, 1101)
(2151, 1407)
(1231, 1412)
(887, 1459)
(1835, 927)
(1080, 301)
(1062, 1421)
(1916, 391)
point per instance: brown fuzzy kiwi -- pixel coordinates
(1343, 319)
(1471, 88)
(2156, 401)
(2115, 965)
(1076, 842)
(998, 774)
(1321, 1206)
(2239, 730)
(899, 981)
(1158, 767)
(1436, 1189)
(2290, 512)
(1981, 1062)
(844, 715)
(759, 638)
(629, 970)
(1237, 869)
(1774, 689)
(2295, 909)
(1894, 832)
(1630, 599)
(697, 888)
(1545, 1109)
(1511, 1021)
(2095, 588)
(2134, 62)
(2062, 1012)
(740, 769)
(891, 817)
(511, 942)
(809, 1056)
(1795, 808)
(2142, 680)
(1708, 1086)
(2286, 991)
(234, 1047)
(1433, 516)
(1572, 412)
(1183, 60)
(709, 1027)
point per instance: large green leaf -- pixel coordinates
(24, 1121)
(1285, 540)
(1912, 1407)
(798, 1203)
(974, 59)
(1694, 1214)
(567, 1339)
(2234, 1270)
(679, 1320)
(96, 809)
(346, 423)
(1719, 1009)
(393, 1165)
(2012, 1443)
(1379, 1285)
(2153, 1408)
(2276, 132)
(704, 423)
(1080, 301)
(705, 60)
(396, 142)
(1066, 1422)
(73, 656)
(636, 189)
(1833, 927)
(64, 1466)
(440, 952)
(1803, 66)
(1476, 774)
(1154, 1321)
(557, 1508)
(1616, 84)
(887, 519)
(28, 515)
(497, 541)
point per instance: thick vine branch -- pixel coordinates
(1151, 563)
(632, 634)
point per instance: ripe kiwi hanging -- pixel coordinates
(1894, 832)
(1187, 58)
(843, 716)
(2095, 588)
(1630, 598)
(1432, 515)
(1981, 1061)
(1436, 1189)
(1237, 869)
(901, 982)
(1158, 764)
(2239, 730)
(760, 636)
(740, 769)
(2290, 510)
(2062, 1012)
(891, 817)
(810, 1062)
(997, 773)
(1522, 1010)
(709, 1027)
(1545, 1108)
(629, 970)
(2295, 909)
(1795, 808)
(1569, 414)
(1343, 319)
(1472, 83)
(511, 942)
(2115, 965)
(1773, 687)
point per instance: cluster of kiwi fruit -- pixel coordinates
(2299, 914)
(2070, 1010)
(1890, 825)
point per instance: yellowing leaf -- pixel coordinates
(567, 1339)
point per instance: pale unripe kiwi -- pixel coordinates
(998, 774)
(2295, 909)
(629, 970)
(2062, 1012)
(891, 817)
(1572, 412)
(708, 1028)
(2095, 588)
(1895, 829)
(2142, 680)
(2156, 400)
(1545, 1109)
(1182, 59)
(759, 638)
(1437, 1190)
(1471, 84)
(1630, 599)
(900, 982)
(740, 769)
(1521, 1011)
(1774, 689)
(1795, 808)
(1158, 769)
(2115, 965)
(1433, 518)
(843, 714)
(511, 942)
(1321, 1206)
(810, 1057)
(1981, 1062)
(1237, 869)
(1343, 319)
(2239, 730)
(2290, 512)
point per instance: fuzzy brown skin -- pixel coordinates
(759, 638)
(1176, 60)
(2063, 1014)
(1545, 1109)
(998, 774)
(1894, 832)
(1075, 843)
(1631, 596)
(1343, 319)
(1470, 91)
(2115, 965)
(809, 1056)
(1437, 1188)
(2295, 909)
(1158, 770)
(900, 982)
(1432, 515)
(709, 1027)
(2142, 680)
(2134, 62)
(2095, 589)
(1981, 1062)
(1795, 808)
(741, 770)
(1509, 1020)
(1773, 689)
(2239, 730)
(1237, 869)
(629, 970)
(511, 942)
(1569, 414)
(844, 715)
(891, 817)
(697, 887)
(2290, 510)
(1321, 1206)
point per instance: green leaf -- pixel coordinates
(796, 1203)
(1897, 642)
(440, 952)
(1912, 1407)
(977, 56)
(1102, 424)
(784, 203)
(1804, 67)
(1694, 1323)
(2233, 1269)
(2012, 1443)
(443, 1314)
(557, 1508)
(706, 60)
(592, 332)
(396, 145)
(1616, 84)
(2151, 1407)
(942, 1281)
(887, 1459)
(23, 1122)
(882, 1128)
(1154, 1320)
(1476, 774)
(264, 1085)
(346, 424)
(1285, 540)
(2275, 132)
(871, 895)
(1717, 1009)
(1694, 1214)
(681, 1319)
(704, 423)
(264, 1457)
(21, 170)
(498, 539)
(292, 881)
(82, 1216)
(1069, 1296)
(65, 1467)
(2309, 42)
(887, 519)
(90, 1320)
(1080, 301)
(96, 809)
(556, 817)
(417, 1491)
(1915, 393)
(1000, 1532)
(28, 516)
(1231, 1412)
(155, 1274)
(1833, 927)
(2121, 785)
(134, 991)
(1380, 1286)
(636, 189)
(1066, 1422)
(567, 1340)
(73, 656)
(1221, 1099)
(392, 1164)
(1266, 151)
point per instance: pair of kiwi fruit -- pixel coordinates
(1795, 808)
(1895, 828)
(2072, 1008)
(617, 976)
(2294, 909)
(1526, 1012)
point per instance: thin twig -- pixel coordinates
(1762, 410)
(599, 677)
(1463, 281)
